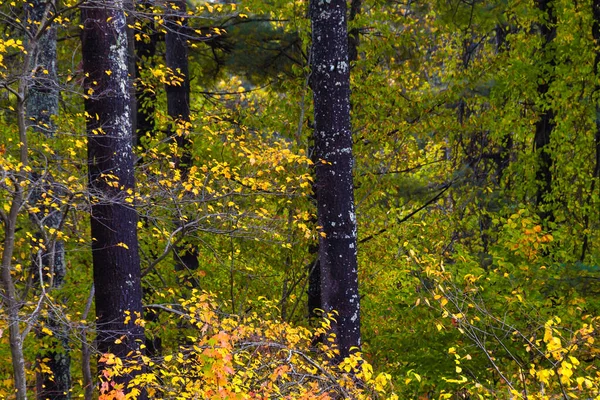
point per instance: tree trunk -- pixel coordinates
(145, 50)
(334, 184)
(178, 95)
(178, 107)
(354, 34)
(42, 95)
(9, 298)
(545, 122)
(116, 260)
(42, 106)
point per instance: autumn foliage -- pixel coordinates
(475, 139)
(245, 357)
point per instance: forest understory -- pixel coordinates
(325, 199)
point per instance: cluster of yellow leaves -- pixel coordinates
(6, 45)
(166, 75)
(12, 176)
(246, 357)
(564, 370)
(238, 181)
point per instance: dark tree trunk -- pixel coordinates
(314, 269)
(145, 50)
(545, 122)
(178, 106)
(56, 384)
(333, 185)
(354, 34)
(111, 180)
(178, 96)
(506, 141)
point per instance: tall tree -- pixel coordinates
(314, 270)
(545, 123)
(116, 261)
(42, 96)
(42, 106)
(178, 93)
(330, 83)
(178, 102)
(145, 50)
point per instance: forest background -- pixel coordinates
(476, 144)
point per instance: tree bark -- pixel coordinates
(178, 95)
(116, 261)
(145, 50)
(9, 298)
(178, 106)
(334, 184)
(42, 95)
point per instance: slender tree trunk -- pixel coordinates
(354, 34)
(116, 260)
(178, 95)
(9, 297)
(545, 123)
(178, 107)
(42, 106)
(334, 184)
(145, 51)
